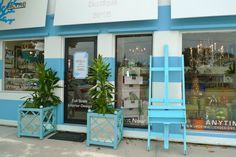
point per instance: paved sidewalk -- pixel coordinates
(11, 146)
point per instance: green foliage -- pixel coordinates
(44, 94)
(102, 90)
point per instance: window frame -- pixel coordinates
(117, 36)
(4, 58)
(199, 32)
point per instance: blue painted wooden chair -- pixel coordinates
(168, 111)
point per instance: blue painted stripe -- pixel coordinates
(114, 27)
(189, 132)
(60, 113)
(212, 134)
(1, 69)
(9, 109)
(34, 33)
(56, 64)
(164, 20)
(27, 33)
(111, 61)
(173, 76)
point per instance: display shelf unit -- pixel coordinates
(131, 83)
(20, 83)
(9, 59)
(20, 65)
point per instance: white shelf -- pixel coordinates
(17, 79)
(131, 103)
(133, 80)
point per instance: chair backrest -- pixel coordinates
(169, 68)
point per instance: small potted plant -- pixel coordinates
(37, 115)
(104, 122)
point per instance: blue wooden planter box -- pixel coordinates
(105, 129)
(36, 122)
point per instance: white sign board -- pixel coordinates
(202, 8)
(71, 12)
(80, 65)
(28, 14)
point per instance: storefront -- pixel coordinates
(126, 35)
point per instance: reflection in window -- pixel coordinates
(132, 77)
(21, 58)
(210, 80)
(76, 94)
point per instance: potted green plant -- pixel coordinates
(104, 122)
(37, 115)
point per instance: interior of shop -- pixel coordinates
(132, 53)
(210, 80)
(21, 58)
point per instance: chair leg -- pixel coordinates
(149, 137)
(166, 136)
(185, 142)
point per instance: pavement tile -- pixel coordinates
(12, 146)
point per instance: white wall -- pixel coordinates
(33, 15)
(1, 50)
(51, 7)
(164, 2)
(174, 40)
(106, 45)
(171, 38)
(54, 48)
(202, 8)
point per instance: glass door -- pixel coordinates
(79, 55)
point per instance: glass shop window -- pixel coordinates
(210, 80)
(21, 58)
(132, 53)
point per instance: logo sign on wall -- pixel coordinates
(6, 8)
(17, 14)
(70, 12)
(80, 65)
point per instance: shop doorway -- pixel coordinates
(77, 100)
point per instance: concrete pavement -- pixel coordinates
(12, 146)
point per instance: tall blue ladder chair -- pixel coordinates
(168, 111)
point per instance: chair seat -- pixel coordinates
(167, 113)
(167, 120)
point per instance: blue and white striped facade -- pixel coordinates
(165, 31)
